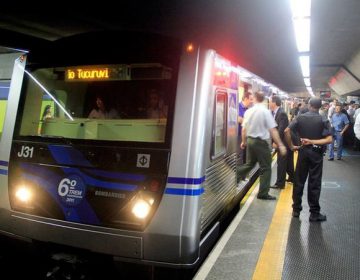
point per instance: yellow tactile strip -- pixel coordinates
(271, 260)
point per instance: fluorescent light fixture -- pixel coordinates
(310, 91)
(302, 34)
(301, 8)
(305, 65)
(307, 82)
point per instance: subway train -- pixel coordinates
(150, 182)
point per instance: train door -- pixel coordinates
(243, 89)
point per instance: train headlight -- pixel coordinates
(23, 194)
(141, 208)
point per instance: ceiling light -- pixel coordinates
(302, 34)
(305, 65)
(301, 8)
(310, 91)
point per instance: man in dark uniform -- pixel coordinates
(285, 164)
(315, 133)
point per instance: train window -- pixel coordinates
(232, 114)
(219, 125)
(105, 102)
(4, 92)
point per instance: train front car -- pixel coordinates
(124, 147)
(90, 156)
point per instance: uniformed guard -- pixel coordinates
(315, 133)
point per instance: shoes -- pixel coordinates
(267, 197)
(339, 158)
(317, 217)
(277, 187)
(330, 159)
(296, 214)
(243, 181)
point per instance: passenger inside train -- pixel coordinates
(101, 111)
(155, 107)
(127, 105)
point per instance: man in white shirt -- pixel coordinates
(331, 109)
(258, 125)
(357, 127)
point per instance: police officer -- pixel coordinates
(315, 133)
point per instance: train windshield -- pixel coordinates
(98, 102)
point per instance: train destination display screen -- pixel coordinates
(117, 72)
(95, 73)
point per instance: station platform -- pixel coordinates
(264, 241)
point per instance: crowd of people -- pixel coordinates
(310, 128)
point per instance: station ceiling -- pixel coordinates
(257, 34)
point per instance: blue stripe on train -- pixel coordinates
(185, 181)
(190, 192)
(35, 169)
(188, 181)
(3, 172)
(4, 90)
(68, 156)
(4, 163)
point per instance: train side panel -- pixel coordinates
(177, 219)
(220, 187)
(8, 129)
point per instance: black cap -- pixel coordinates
(315, 103)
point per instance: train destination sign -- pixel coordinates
(86, 74)
(119, 72)
(94, 73)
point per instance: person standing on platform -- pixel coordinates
(315, 133)
(324, 109)
(258, 125)
(357, 127)
(246, 102)
(285, 164)
(294, 110)
(340, 124)
(304, 108)
(332, 109)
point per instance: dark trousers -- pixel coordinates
(309, 164)
(356, 144)
(242, 155)
(258, 150)
(285, 164)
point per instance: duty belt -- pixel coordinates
(316, 148)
